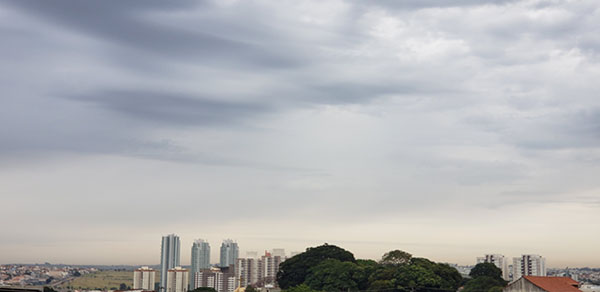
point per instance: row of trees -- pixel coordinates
(331, 268)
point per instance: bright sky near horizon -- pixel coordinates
(447, 129)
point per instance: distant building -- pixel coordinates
(169, 258)
(220, 279)
(144, 279)
(200, 258)
(177, 280)
(278, 252)
(258, 272)
(229, 253)
(248, 271)
(543, 284)
(498, 260)
(528, 265)
(462, 270)
(270, 267)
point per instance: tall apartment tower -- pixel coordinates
(177, 280)
(144, 278)
(529, 265)
(169, 258)
(200, 257)
(229, 253)
(258, 272)
(248, 271)
(498, 260)
(270, 267)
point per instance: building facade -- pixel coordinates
(220, 279)
(270, 268)
(144, 278)
(258, 272)
(169, 258)
(177, 280)
(528, 265)
(229, 253)
(200, 258)
(248, 271)
(498, 260)
(543, 284)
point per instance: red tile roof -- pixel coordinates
(554, 284)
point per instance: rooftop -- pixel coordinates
(554, 284)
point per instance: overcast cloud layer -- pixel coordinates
(447, 129)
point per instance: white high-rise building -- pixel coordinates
(229, 253)
(169, 258)
(498, 260)
(200, 257)
(529, 265)
(144, 278)
(177, 280)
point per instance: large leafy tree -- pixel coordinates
(396, 257)
(418, 274)
(293, 271)
(486, 269)
(449, 277)
(300, 288)
(330, 268)
(485, 277)
(333, 275)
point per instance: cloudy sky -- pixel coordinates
(448, 129)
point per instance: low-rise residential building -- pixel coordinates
(177, 280)
(220, 279)
(144, 278)
(543, 284)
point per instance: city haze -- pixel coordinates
(448, 129)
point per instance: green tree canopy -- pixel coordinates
(483, 283)
(330, 268)
(293, 272)
(486, 269)
(300, 288)
(396, 257)
(333, 275)
(418, 274)
(485, 277)
(450, 278)
(416, 278)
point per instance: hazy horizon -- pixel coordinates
(447, 129)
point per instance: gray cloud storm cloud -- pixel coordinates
(444, 128)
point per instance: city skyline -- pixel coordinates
(508, 261)
(447, 129)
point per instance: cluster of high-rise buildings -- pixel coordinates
(525, 265)
(230, 273)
